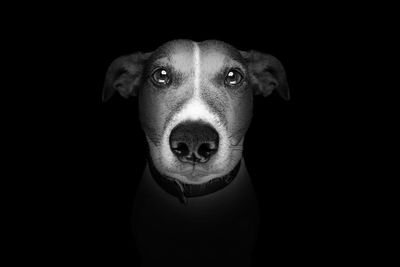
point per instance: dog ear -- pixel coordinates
(266, 74)
(124, 75)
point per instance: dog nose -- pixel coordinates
(194, 141)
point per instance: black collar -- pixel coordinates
(183, 190)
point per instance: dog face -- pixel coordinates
(195, 99)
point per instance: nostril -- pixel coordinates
(205, 150)
(180, 148)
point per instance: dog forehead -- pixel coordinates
(218, 52)
(178, 53)
(212, 54)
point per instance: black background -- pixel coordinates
(298, 152)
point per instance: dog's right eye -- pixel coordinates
(161, 77)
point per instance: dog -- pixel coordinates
(195, 204)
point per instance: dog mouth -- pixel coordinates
(182, 189)
(194, 172)
(190, 172)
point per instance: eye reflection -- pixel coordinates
(161, 77)
(233, 77)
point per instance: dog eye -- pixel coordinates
(233, 77)
(161, 77)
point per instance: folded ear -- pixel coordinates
(266, 74)
(124, 75)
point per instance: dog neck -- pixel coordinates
(214, 225)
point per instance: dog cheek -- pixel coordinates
(241, 119)
(147, 114)
(232, 157)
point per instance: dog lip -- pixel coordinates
(196, 171)
(193, 171)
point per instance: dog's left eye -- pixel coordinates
(161, 77)
(233, 77)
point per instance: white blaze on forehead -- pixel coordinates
(196, 62)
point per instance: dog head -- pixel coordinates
(195, 102)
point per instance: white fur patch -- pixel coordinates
(196, 62)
